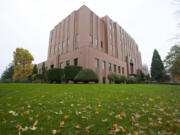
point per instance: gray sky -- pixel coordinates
(27, 23)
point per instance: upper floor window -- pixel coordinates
(50, 51)
(76, 61)
(101, 44)
(76, 38)
(59, 46)
(110, 25)
(91, 39)
(109, 66)
(96, 42)
(67, 41)
(111, 47)
(96, 63)
(110, 36)
(55, 49)
(62, 44)
(103, 65)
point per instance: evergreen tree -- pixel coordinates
(44, 72)
(35, 71)
(157, 67)
(8, 73)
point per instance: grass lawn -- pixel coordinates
(46, 109)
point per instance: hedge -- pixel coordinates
(55, 75)
(71, 72)
(86, 75)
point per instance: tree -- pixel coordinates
(8, 73)
(22, 63)
(44, 72)
(172, 62)
(157, 67)
(172, 56)
(35, 70)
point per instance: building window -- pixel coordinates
(77, 38)
(91, 39)
(119, 69)
(122, 70)
(52, 66)
(109, 66)
(76, 61)
(114, 68)
(67, 62)
(101, 44)
(111, 47)
(59, 46)
(110, 36)
(96, 42)
(61, 65)
(110, 25)
(50, 50)
(67, 41)
(96, 63)
(62, 44)
(55, 49)
(103, 65)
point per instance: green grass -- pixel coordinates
(96, 109)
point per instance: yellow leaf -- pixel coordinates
(35, 123)
(150, 119)
(135, 132)
(61, 123)
(123, 114)
(105, 120)
(77, 126)
(66, 116)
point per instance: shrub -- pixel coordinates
(55, 75)
(131, 80)
(113, 77)
(86, 75)
(121, 79)
(71, 72)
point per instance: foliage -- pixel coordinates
(86, 75)
(131, 80)
(121, 79)
(157, 67)
(8, 73)
(22, 63)
(71, 72)
(112, 77)
(44, 75)
(140, 76)
(35, 70)
(172, 57)
(55, 75)
(172, 62)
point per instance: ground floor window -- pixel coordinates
(76, 61)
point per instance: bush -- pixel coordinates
(71, 72)
(131, 80)
(55, 75)
(121, 79)
(113, 77)
(86, 75)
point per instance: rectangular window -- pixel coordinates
(122, 70)
(111, 47)
(76, 61)
(91, 39)
(61, 65)
(50, 50)
(114, 68)
(110, 36)
(67, 62)
(76, 38)
(110, 67)
(96, 63)
(59, 46)
(55, 49)
(62, 44)
(96, 42)
(67, 41)
(101, 44)
(119, 69)
(103, 65)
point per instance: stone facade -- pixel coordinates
(89, 41)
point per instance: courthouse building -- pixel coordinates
(94, 42)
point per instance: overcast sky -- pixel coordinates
(27, 23)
